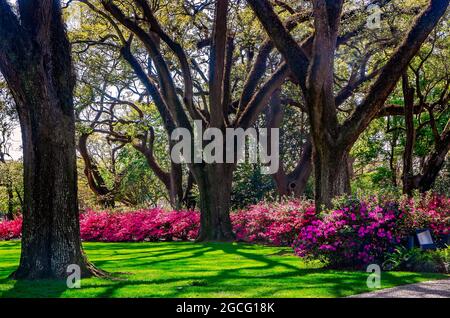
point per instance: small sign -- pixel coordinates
(425, 239)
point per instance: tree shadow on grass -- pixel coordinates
(228, 277)
(34, 289)
(337, 283)
(266, 276)
(149, 258)
(145, 259)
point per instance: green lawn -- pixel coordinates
(198, 270)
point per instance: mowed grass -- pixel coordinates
(198, 270)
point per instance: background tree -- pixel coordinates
(186, 89)
(426, 98)
(313, 65)
(10, 196)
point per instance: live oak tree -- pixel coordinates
(35, 60)
(218, 107)
(314, 68)
(357, 65)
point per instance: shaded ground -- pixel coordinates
(199, 270)
(434, 289)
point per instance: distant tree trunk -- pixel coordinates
(10, 192)
(293, 183)
(176, 186)
(19, 196)
(435, 162)
(95, 180)
(35, 61)
(392, 166)
(215, 184)
(172, 179)
(189, 201)
(408, 173)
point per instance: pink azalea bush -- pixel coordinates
(10, 230)
(432, 212)
(363, 232)
(272, 223)
(139, 226)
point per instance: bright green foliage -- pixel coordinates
(418, 260)
(11, 171)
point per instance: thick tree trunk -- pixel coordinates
(332, 173)
(51, 235)
(35, 61)
(215, 185)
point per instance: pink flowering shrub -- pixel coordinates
(432, 212)
(139, 226)
(361, 233)
(10, 230)
(274, 223)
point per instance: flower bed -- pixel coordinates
(357, 234)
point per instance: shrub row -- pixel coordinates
(358, 233)
(274, 224)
